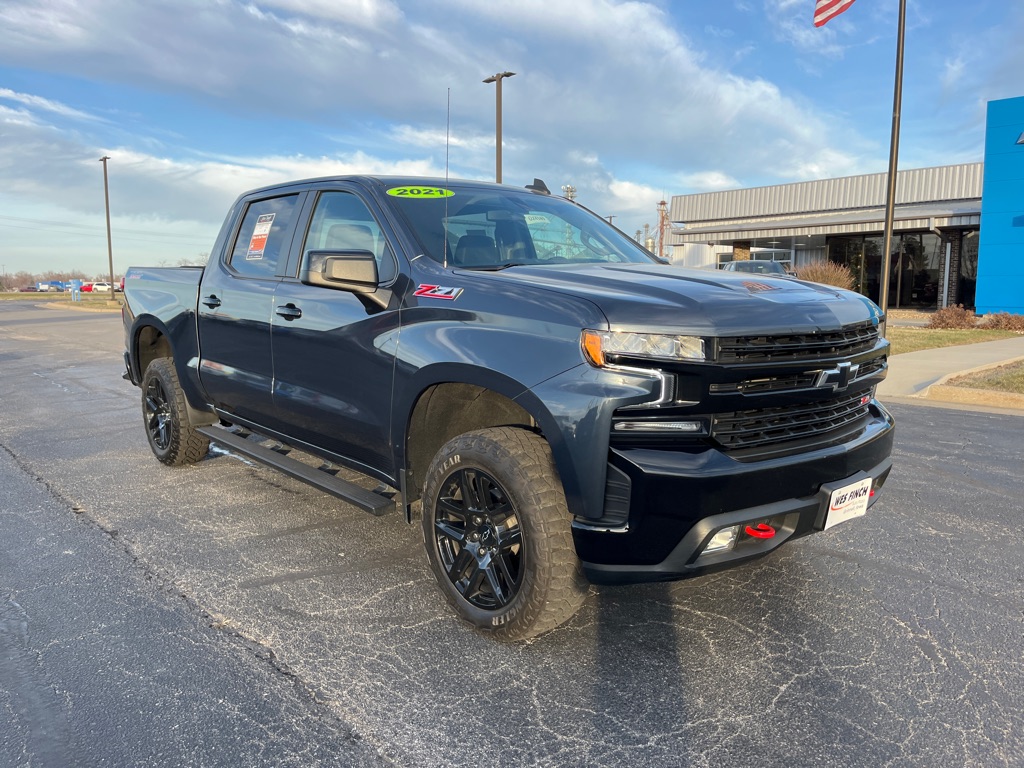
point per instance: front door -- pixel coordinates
(334, 351)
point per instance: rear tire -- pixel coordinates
(497, 534)
(165, 415)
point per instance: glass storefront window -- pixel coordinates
(968, 280)
(916, 275)
(916, 267)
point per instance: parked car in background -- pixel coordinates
(756, 267)
(103, 287)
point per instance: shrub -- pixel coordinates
(1004, 321)
(952, 318)
(827, 272)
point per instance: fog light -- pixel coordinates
(724, 539)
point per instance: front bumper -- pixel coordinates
(677, 501)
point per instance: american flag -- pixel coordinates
(826, 10)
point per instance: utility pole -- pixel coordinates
(110, 247)
(496, 79)
(662, 227)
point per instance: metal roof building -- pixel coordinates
(937, 217)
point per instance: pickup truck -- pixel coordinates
(553, 402)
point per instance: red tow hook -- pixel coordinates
(762, 531)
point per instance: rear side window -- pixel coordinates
(264, 237)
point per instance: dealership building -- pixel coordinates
(958, 231)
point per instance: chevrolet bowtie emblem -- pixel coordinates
(838, 378)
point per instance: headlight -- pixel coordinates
(598, 346)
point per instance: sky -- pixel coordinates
(630, 102)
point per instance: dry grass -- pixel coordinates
(1004, 378)
(88, 300)
(915, 339)
(31, 296)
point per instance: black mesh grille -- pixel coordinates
(804, 346)
(766, 427)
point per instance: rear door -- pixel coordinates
(236, 303)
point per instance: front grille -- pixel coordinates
(767, 427)
(802, 346)
(790, 382)
(767, 384)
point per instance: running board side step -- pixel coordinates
(368, 501)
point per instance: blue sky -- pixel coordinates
(631, 102)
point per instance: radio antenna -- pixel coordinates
(447, 131)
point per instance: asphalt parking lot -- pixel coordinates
(301, 631)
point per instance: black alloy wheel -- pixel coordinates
(498, 536)
(157, 414)
(479, 539)
(171, 436)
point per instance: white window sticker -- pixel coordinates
(258, 241)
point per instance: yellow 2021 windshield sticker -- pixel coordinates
(420, 192)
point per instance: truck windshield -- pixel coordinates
(498, 228)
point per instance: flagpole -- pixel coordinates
(894, 148)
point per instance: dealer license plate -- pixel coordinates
(848, 502)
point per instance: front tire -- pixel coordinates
(497, 534)
(165, 415)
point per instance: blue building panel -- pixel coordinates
(1001, 240)
(1009, 166)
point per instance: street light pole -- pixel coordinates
(110, 247)
(496, 79)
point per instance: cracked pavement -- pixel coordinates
(891, 640)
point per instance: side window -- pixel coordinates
(263, 238)
(342, 222)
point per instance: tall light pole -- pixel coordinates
(110, 247)
(496, 79)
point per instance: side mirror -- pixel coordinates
(354, 271)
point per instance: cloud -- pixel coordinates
(614, 97)
(792, 22)
(46, 105)
(436, 138)
(369, 14)
(718, 32)
(17, 117)
(706, 181)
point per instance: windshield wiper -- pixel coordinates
(499, 267)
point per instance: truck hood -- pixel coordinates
(656, 296)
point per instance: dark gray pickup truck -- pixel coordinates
(564, 406)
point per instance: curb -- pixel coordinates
(942, 391)
(79, 307)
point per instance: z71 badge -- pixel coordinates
(438, 292)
